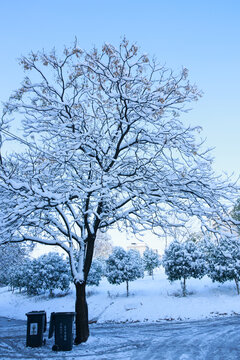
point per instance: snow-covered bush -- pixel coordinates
(223, 259)
(27, 276)
(12, 256)
(183, 261)
(96, 272)
(102, 246)
(18, 275)
(46, 273)
(151, 260)
(35, 282)
(54, 272)
(124, 266)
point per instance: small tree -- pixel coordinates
(96, 272)
(35, 283)
(46, 273)
(19, 276)
(103, 247)
(124, 266)
(183, 261)
(236, 214)
(151, 260)
(12, 256)
(224, 261)
(54, 271)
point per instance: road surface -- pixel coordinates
(215, 339)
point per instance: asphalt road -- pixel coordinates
(215, 339)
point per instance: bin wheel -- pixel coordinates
(55, 348)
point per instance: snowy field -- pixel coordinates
(149, 301)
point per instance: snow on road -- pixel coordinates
(215, 339)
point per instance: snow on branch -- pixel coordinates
(106, 145)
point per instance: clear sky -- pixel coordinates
(203, 36)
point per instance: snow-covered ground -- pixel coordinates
(149, 301)
(215, 339)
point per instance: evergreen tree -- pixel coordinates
(12, 256)
(124, 266)
(46, 273)
(151, 260)
(35, 284)
(183, 261)
(103, 246)
(19, 277)
(236, 214)
(54, 271)
(224, 261)
(96, 272)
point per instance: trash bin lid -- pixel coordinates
(42, 312)
(65, 313)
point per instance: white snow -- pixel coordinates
(149, 301)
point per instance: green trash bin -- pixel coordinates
(61, 323)
(36, 326)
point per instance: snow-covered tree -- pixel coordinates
(27, 276)
(104, 146)
(19, 275)
(223, 259)
(12, 256)
(55, 272)
(151, 260)
(96, 272)
(102, 247)
(124, 266)
(183, 260)
(35, 282)
(236, 214)
(46, 273)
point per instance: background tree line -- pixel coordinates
(196, 257)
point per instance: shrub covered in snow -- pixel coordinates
(34, 279)
(151, 260)
(19, 275)
(46, 273)
(54, 271)
(12, 257)
(124, 266)
(183, 261)
(102, 246)
(223, 259)
(96, 272)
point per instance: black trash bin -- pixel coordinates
(61, 323)
(36, 326)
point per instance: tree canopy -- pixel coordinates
(105, 146)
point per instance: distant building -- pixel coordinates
(141, 247)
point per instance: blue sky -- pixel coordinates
(203, 36)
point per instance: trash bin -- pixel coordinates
(36, 326)
(61, 323)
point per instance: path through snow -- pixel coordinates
(217, 339)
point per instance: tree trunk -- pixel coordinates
(152, 275)
(127, 288)
(81, 309)
(184, 287)
(237, 285)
